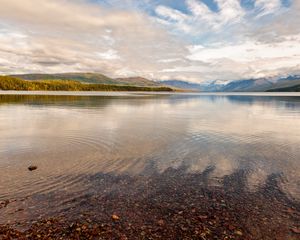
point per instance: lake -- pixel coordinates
(153, 157)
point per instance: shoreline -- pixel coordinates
(141, 93)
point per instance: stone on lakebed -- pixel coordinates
(32, 168)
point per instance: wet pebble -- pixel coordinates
(239, 233)
(32, 168)
(161, 222)
(115, 217)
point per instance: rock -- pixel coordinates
(290, 210)
(296, 230)
(115, 217)
(84, 227)
(32, 168)
(4, 203)
(238, 232)
(161, 222)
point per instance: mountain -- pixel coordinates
(295, 88)
(139, 81)
(81, 77)
(246, 85)
(95, 78)
(214, 86)
(289, 82)
(181, 84)
(261, 84)
(204, 87)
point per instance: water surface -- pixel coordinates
(78, 141)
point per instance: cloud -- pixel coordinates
(230, 12)
(202, 18)
(248, 51)
(267, 6)
(81, 36)
(234, 43)
(109, 55)
(155, 39)
(171, 14)
(250, 59)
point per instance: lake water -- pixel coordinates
(85, 146)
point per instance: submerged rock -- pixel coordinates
(115, 217)
(296, 230)
(32, 168)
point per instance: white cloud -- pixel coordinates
(170, 13)
(201, 10)
(230, 10)
(173, 17)
(109, 55)
(203, 18)
(251, 59)
(248, 51)
(267, 6)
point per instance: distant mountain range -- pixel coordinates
(290, 83)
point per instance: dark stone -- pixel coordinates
(32, 168)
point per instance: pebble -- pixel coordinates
(238, 233)
(161, 222)
(290, 210)
(32, 168)
(115, 217)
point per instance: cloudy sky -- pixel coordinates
(193, 40)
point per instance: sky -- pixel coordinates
(193, 40)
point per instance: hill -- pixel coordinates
(12, 83)
(90, 78)
(81, 77)
(137, 81)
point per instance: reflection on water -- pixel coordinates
(71, 138)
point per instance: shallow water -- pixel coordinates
(75, 139)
